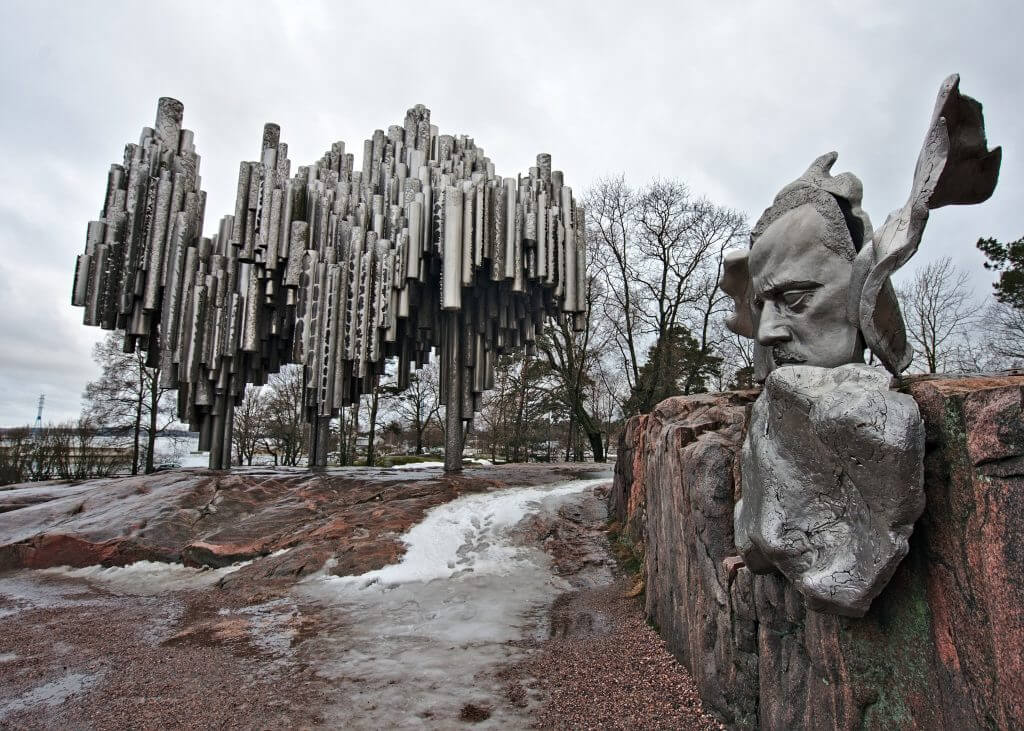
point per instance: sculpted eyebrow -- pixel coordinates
(774, 290)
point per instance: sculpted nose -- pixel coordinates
(771, 328)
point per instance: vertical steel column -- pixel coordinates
(453, 440)
(319, 441)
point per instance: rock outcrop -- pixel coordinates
(939, 648)
(214, 518)
(831, 483)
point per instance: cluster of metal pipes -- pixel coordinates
(340, 270)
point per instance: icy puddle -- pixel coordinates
(417, 641)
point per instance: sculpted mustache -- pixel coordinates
(783, 354)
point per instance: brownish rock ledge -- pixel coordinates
(215, 518)
(942, 647)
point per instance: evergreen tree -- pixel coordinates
(1008, 260)
(676, 365)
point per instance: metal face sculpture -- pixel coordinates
(338, 269)
(800, 289)
(832, 462)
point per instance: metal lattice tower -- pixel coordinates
(39, 412)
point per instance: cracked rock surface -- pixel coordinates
(831, 470)
(211, 518)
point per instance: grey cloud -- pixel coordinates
(735, 98)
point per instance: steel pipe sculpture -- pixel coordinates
(340, 270)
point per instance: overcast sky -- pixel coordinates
(735, 98)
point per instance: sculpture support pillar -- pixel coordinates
(319, 438)
(229, 425)
(223, 422)
(453, 440)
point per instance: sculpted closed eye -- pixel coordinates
(797, 299)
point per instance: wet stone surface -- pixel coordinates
(492, 597)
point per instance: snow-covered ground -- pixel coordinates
(418, 466)
(430, 630)
(147, 578)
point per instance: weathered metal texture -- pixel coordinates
(342, 270)
(954, 166)
(832, 470)
(832, 463)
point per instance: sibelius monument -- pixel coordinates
(337, 269)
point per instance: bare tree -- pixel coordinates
(91, 456)
(128, 397)
(610, 209)
(939, 311)
(15, 454)
(492, 421)
(659, 251)
(418, 404)
(68, 451)
(573, 357)
(348, 430)
(373, 401)
(250, 424)
(718, 229)
(610, 391)
(738, 361)
(513, 411)
(1005, 330)
(286, 433)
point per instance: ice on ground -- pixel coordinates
(467, 534)
(419, 639)
(53, 693)
(145, 578)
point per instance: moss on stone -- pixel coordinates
(630, 555)
(890, 655)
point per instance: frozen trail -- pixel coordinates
(416, 643)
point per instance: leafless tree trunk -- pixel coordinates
(128, 396)
(418, 404)
(286, 433)
(1005, 329)
(610, 210)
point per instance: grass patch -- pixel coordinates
(630, 555)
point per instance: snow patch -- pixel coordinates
(417, 466)
(144, 578)
(466, 535)
(424, 635)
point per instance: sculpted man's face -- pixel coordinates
(800, 291)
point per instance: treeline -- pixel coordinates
(70, 451)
